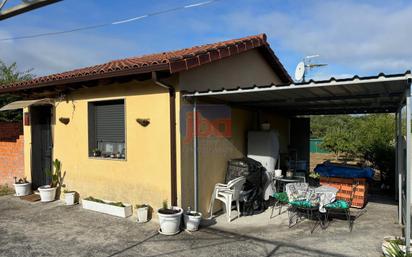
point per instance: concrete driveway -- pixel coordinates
(53, 229)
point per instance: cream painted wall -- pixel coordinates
(243, 70)
(214, 152)
(144, 177)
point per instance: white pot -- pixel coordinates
(22, 189)
(192, 221)
(170, 223)
(142, 214)
(386, 244)
(278, 173)
(47, 193)
(69, 198)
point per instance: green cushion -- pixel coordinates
(302, 204)
(281, 197)
(338, 204)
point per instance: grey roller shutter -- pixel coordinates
(109, 121)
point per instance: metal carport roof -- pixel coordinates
(381, 93)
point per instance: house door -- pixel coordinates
(42, 145)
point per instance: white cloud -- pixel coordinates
(369, 38)
(57, 54)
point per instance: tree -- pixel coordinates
(10, 74)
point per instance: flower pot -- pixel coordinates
(192, 220)
(22, 189)
(47, 193)
(313, 182)
(169, 220)
(386, 244)
(69, 198)
(142, 214)
(278, 173)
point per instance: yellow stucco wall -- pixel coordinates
(144, 177)
(243, 70)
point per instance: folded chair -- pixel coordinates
(227, 193)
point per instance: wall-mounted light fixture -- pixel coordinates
(143, 122)
(64, 120)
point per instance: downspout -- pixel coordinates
(195, 157)
(172, 125)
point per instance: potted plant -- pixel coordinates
(22, 186)
(69, 197)
(142, 212)
(313, 179)
(108, 207)
(394, 246)
(48, 192)
(192, 220)
(169, 219)
(96, 152)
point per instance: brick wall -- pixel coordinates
(11, 152)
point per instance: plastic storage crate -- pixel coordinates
(345, 187)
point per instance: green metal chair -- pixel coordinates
(281, 199)
(304, 209)
(341, 206)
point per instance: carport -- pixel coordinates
(356, 95)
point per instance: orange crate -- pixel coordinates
(344, 185)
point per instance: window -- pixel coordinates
(107, 129)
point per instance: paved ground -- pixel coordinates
(36, 229)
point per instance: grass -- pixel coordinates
(5, 190)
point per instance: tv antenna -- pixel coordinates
(305, 66)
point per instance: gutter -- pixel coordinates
(172, 108)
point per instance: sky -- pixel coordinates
(352, 37)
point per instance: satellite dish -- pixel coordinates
(300, 71)
(306, 65)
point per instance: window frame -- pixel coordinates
(89, 145)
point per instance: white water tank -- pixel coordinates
(263, 146)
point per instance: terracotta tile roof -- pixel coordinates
(173, 61)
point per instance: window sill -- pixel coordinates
(107, 158)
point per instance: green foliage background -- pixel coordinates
(10, 74)
(370, 137)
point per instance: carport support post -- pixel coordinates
(195, 157)
(399, 161)
(408, 170)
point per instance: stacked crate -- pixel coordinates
(345, 187)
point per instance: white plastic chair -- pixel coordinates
(227, 193)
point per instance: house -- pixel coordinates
(134, 113)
